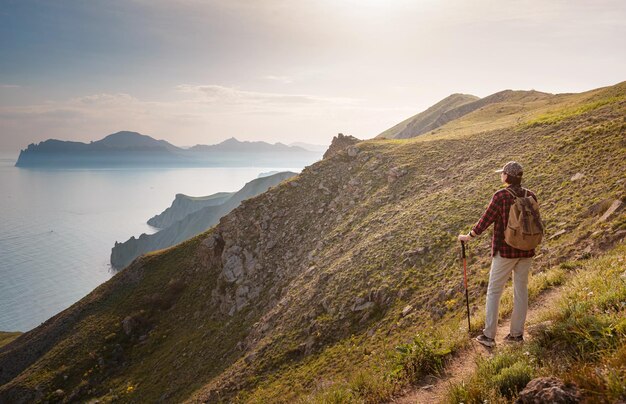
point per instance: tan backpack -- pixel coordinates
(525, 229)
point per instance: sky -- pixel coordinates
(199, 72)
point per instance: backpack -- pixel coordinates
(524, 230)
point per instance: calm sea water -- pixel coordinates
(57, 227)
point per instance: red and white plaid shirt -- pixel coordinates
(498, 213)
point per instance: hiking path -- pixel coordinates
(462, 365)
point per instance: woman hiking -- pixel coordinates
(506, 259)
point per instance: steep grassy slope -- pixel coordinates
(432, 118)
(298, 288)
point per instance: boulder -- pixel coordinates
(363, 306)
(548, 390)
(615, 206)
(577, 176)
(395, 173)
(407, 309)
(233, 268)
(58, 394)
(130, 324)
(352, 151)
(557, 234)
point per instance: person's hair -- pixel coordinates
(510, 179)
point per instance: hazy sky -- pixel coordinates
(192, 71)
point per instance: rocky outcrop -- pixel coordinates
(548, 390)
(340, 143)
(615, 206)
(192, 224)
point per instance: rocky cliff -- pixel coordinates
(193, 223)
(184, 205)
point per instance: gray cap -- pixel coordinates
(512, 168)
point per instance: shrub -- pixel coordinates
(419, 358)
(497, 379)
(512, 379)
(582, 336)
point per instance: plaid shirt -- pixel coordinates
(498, 213)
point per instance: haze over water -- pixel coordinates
(57, 227)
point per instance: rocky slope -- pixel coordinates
(184, 205)
(309, 286)
(193, 223)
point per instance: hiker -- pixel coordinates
(506, 259)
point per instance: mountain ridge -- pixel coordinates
(308, 287)
(454, 107)
(428, 119)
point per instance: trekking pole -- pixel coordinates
(465, 278)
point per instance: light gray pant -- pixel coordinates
(501, 268)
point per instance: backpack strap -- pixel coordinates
(512, 193)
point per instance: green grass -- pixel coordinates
(562, 114)
(6, 337)
(498, 379)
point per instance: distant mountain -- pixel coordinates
(129, 140)
(134, 149)
(236, 146)
(192, 223)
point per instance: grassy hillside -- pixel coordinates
(304, 292)
(432, 118)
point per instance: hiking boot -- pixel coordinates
(510, 338)
(486, 341)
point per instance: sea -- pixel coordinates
(57, 227)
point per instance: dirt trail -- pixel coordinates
(433, 389)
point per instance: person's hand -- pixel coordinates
(464, 237)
